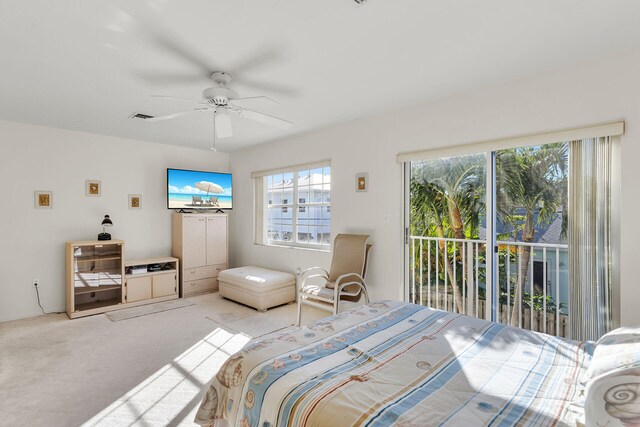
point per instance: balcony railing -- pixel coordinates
(450, 274)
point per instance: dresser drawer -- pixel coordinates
(198, 273)
(196, 286)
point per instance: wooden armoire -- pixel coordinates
(200, 241)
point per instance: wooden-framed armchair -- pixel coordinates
(345, 279)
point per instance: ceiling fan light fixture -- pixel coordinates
(223, 123)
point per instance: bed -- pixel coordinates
(394, 363)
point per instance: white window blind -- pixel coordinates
(596, 131)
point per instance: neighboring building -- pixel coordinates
(309, 209)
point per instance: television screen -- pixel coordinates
(188, 190)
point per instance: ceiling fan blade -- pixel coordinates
(261, 57)
(263, 118)
(174, 115)
(170, 44)
(176, 98)
(267, 87)
(171, 78)
(255, 97)
(223, 123)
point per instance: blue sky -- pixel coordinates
(182, 181)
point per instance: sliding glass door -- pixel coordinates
(447, 239)
(531, 237)
(511, 201)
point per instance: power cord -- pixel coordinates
(40, 305)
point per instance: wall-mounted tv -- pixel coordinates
(190, 190)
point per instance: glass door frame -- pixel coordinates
(491, 246)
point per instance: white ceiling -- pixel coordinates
(87, 65)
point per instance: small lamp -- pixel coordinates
(106, 222)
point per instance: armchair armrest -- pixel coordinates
(351, 276)
(349, 279)
(307, 270)
(306, 276)
(344, 281)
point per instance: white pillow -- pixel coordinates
(613, 399)
(618, 349)
(613, 386)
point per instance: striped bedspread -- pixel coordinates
(393, 363)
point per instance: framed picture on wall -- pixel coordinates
(362, 182)
(93, 188)
(43, 199)
(135, 201)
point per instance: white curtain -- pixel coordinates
(589, 235)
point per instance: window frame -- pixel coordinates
(263, 207)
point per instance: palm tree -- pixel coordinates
(461, 182)
(449, 192)
(428, 216)
(529, 179)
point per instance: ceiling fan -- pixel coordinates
(218, 100)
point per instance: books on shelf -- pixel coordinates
(83, 279)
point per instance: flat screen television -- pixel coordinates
(192, 190)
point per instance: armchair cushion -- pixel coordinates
(318, 290)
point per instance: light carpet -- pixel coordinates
(149, 370)
(259, 323)
(144, 310)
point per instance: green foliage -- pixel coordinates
(538, 301)
(445, 187)
(531, 180)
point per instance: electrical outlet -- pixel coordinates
(36, 282)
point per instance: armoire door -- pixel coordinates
(194, 248)
(216, 240)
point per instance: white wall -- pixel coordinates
(32, 240)
(583, 95)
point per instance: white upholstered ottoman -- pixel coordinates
(257, 287)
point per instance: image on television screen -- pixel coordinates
(188, 189)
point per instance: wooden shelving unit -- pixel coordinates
(152, 286)
(97, 281)
(95, 272)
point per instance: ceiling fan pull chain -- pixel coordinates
(214, 131)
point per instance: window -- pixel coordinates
(293, 207)
(523, 234)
